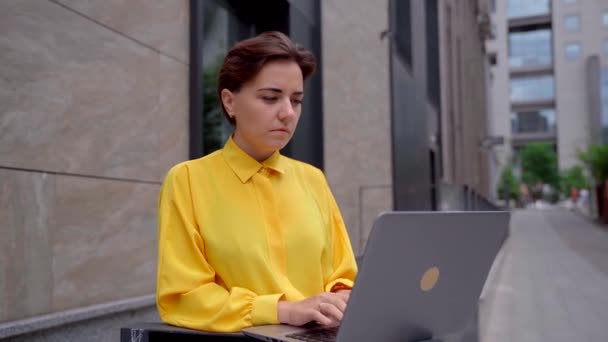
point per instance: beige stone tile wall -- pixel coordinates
(160, 24)
(173, 123)
(103, 241)
(356, 106)
(93, 112)
(374, 200)
(25, 253)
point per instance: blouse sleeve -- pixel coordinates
(187, 294)
(344, 265)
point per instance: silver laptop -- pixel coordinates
(421, 278)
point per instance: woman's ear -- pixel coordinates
(228, 101)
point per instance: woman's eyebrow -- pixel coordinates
(274, 90)
(279, 91)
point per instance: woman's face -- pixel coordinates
(267, 108)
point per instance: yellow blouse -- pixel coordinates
(236, 236)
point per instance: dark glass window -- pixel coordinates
(530, 49)
(534, 121)
(432, 51)
(222, 28)
(402, 29)
(307, 142)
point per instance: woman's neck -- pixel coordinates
(250, 149)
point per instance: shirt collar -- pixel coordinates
(244, 166)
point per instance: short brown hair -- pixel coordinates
(246, 58)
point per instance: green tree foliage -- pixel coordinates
(596, 160)
(539, 165)
(573, 178)
(507, 179)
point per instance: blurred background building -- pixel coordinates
(549, 77)
(99, 99)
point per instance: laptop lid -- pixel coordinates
(421, 277)
(422, 274)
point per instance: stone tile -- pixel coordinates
(374, 200)
(25, 254)
(104, 240)
(76, 97)
(173, 125)
(356, 103)
(348, 202)
(163, 24)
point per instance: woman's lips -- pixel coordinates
(284, 130)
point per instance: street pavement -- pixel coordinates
(549, 282)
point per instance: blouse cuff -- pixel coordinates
(339, 284)
(264, 309)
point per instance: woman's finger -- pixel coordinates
(320, 318)
(345, 294)
(331, 311)
(337, 301)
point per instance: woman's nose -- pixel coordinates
(287, 110)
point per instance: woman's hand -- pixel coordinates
(326, 309)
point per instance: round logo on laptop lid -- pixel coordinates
(429, 279)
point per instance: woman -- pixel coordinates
(246, 235)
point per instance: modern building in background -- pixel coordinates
(548, 77)
(99, 99)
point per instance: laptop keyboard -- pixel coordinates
(316, 335)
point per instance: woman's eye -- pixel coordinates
(296, 101)
(269, 99)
